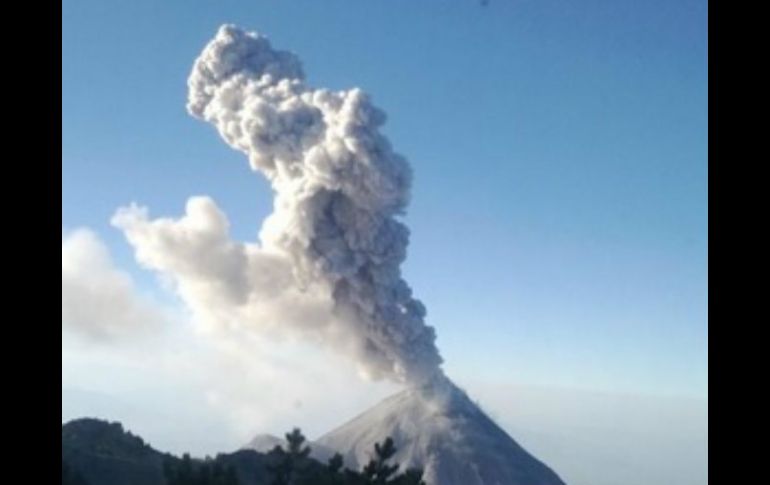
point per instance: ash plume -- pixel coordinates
(327, 266)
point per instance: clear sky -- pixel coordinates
(559, 207)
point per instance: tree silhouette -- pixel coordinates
(335, 464)
(295, 467)
(295, 440)
(70, 476)
(195, 472)
(378, 471)
(289, 467)
(230, 478)
(204, 475)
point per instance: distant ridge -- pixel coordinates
(104, 453)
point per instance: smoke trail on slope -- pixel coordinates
(328, 265)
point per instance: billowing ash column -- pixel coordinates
(339, 189)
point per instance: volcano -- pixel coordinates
(439, 429)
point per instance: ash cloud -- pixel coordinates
(327, 265)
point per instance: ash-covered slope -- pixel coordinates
(439, 429)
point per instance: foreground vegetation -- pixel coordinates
(103, 453)
(293, 466)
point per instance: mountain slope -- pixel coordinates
(438, 428)
(264, 443)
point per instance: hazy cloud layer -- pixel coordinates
(206, 395)
(327, 266)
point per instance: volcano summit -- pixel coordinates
(439, 429)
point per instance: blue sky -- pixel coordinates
(559, 207)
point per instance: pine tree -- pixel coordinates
(217, 472)
(296, 440)
(377, 471)
(185, 472)
(280, 467)
(335, 464)
(230, 478)
(290, 466)
(169, 471)
(204, 475)
(70, 476)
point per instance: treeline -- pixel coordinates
(70, 476)
(293, 466)
(208, 472)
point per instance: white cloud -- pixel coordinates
(182, 389)
(229, 286)
(99, 301)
